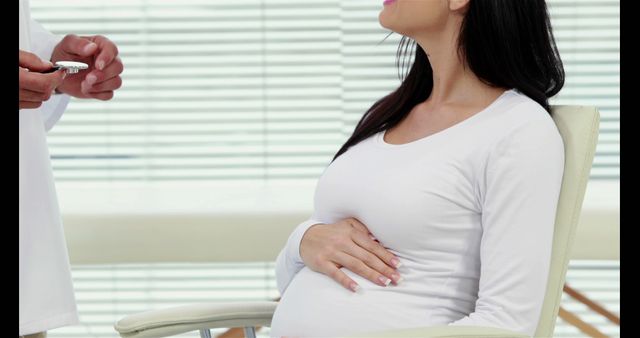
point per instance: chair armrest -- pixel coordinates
(181, 319)
(445, 332)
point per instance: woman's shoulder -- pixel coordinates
(524, 122)
(518, 107)
(519, 111)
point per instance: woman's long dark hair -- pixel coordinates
(506, 43)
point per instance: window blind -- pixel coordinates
(269, 89)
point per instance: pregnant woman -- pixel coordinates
(439, 209)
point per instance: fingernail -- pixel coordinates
(64, 74)
(396, 277)
(89, 47)
(396, 263)
(354, 287)
(373, 237)
(84, 87)
(91, 79)
(100, 64)
(384, 280)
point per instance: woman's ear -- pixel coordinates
(457, 5)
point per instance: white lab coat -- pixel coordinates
(46, 290)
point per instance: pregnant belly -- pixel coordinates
(316, 305)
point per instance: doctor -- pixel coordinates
(46, 291)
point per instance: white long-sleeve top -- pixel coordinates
(469, 211)
(46, 291)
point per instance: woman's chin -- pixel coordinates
(385, 20)
(390, 20)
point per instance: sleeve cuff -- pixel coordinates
(293, 244)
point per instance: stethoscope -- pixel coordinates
(71, 67)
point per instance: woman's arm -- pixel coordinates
(521, 189)
(289, 262)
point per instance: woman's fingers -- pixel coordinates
(374, 262)
(358, 267)
(336, 274)
(357, 225)
(326, 248)
(374, 245)
(376, 248)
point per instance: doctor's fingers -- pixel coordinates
(104, 96)
(31, 96)
(28, 105)
(78, 45)
(38, 82)
(32, 62)
(110, 72)
(382, 272)
(109, 85)
(107, 52)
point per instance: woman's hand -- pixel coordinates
(325, 248)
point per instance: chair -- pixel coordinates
(579, 128)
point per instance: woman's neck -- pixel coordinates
(453, 80)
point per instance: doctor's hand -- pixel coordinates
(102, 77)
(325, 248)
(35, 87)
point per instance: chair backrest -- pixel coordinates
(579, 127)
